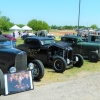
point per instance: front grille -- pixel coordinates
(21, 62)
(69, 53)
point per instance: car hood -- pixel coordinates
(61, 44)
(11, 50)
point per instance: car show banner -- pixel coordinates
(18, 82)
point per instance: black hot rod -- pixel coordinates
(59, 55)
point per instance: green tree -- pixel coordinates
(54, 27)
(33, 24)
(38, 25)
(1, 22)
(20, 25)
(5, 26)
(0, 13)
(45, 26)
(5, 23)
(94, 26)
(7, 19)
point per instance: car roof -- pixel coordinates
(8, 35)
(74, 37)
(39, 38)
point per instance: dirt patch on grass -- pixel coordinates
(80, 75)
(62, 32)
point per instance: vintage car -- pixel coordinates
(88, 47)
(11, 40)
(27, 35)
(58, 55)
(13, 60)
(10, 37)
(42, 33)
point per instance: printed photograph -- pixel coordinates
(18, 82)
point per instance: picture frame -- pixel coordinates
(18, 82)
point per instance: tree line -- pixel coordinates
(36, 25)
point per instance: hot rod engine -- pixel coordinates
(66, 53)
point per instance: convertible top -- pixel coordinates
(3, 38)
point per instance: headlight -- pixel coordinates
(68, 61)
(96, 51)
(31, 66)
(76, 58)
(12, 69)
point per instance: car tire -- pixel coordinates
(80, 61)
(2, 83)
(93, 56)
(38, 71)
(59, 61)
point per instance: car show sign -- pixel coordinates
(18, 82)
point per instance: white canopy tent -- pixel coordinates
(26, 28)
(15, 27)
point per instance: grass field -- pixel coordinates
(51, 76)
(88, 68)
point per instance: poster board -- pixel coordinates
(18, 82)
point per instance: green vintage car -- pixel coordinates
(88, 48)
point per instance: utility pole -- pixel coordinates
(79, 15)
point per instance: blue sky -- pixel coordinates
(54, 12)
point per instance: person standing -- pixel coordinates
(19, 34)
(0, 32)
(13, 34)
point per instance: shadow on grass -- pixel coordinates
(50, 69)
(37, 80)
(90, 61)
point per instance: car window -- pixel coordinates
(32, 42)
(95, 38)
(44, 42)
(71, 40)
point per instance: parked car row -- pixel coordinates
(36, 52)
(59, 55)
(42, 33)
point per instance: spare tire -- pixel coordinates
(2, 85)
(93, 56)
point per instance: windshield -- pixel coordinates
(81, 39)
(44, 42)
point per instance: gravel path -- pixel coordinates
(83, 88)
